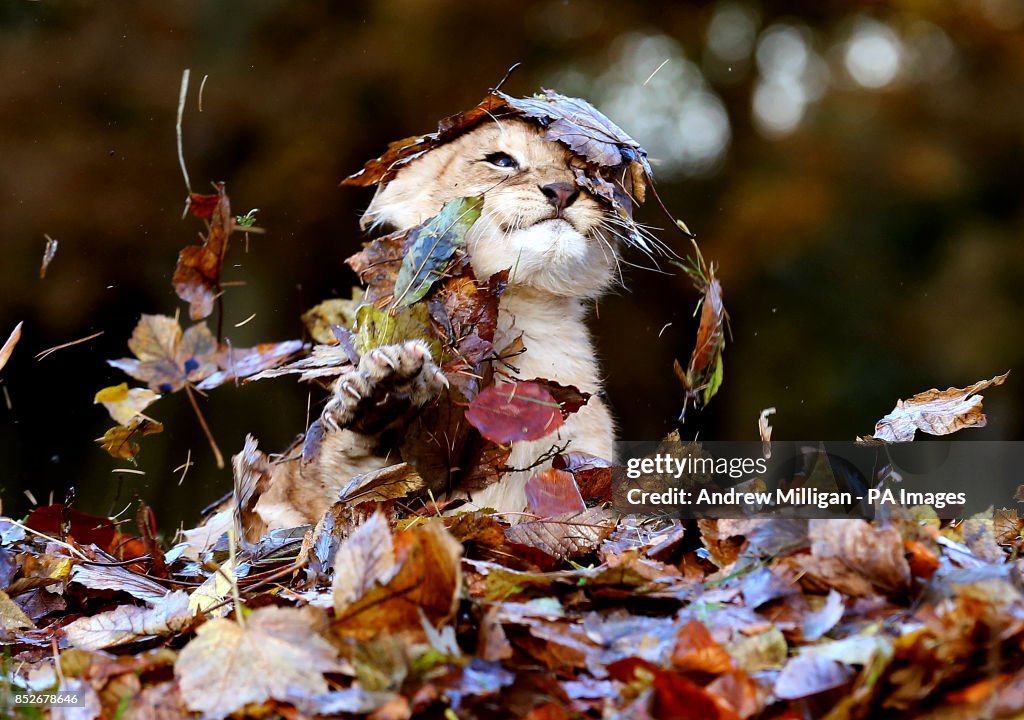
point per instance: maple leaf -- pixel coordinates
(936, 412)
(165, 358)
(197, 274)
(510, 412)
(278, 651)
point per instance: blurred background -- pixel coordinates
(854, 169)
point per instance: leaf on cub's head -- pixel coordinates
(123, 403)
(510, 412)
(431, 248)
(119, 440)
(197, 275)
(166, 357)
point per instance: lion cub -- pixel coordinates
(560, 247)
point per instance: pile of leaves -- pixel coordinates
(371, 615)
(388, 609)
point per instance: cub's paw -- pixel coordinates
(391, 382)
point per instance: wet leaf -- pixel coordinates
(278, 651)
(166, 358)
(431, 248)
(936, 412)
(125, 404)
(197, 275)
(509, 412)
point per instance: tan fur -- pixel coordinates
(556, 266)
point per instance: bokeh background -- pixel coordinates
(854, 169)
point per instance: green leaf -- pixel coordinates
(376, 328)
(431, 248)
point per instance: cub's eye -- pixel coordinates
(501, 160)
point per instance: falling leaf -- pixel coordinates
(123, 404)
(165, 358)
(553, 492)
(936, 412)
(197, 275)
(240, 363)
(377, 264)
(431, 247)
(703, 375)
(202, 205)
(320, 319)
(130, 623)
(49, 252)
(510, 412)
(764, 429)
(8, 346)
(278, 651)
(119, 440)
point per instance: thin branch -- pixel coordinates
(206, 428)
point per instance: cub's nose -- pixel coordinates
(560, 194)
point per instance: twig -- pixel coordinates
(182, 95)
(50, 351)
(206, 428)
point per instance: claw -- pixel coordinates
(441, 378)
(387, 361)
(351, 391)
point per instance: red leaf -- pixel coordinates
(85, 529)
(553, 492)
(509, 412)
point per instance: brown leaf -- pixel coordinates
(875, 553)
(565, 536)
(388, 483)
(166, 357)
(197, 275)
(278, 651)
(424, 581)
(364, 560)
(240, 363)
(593, 475)
(12, 617)
(570, 399)
(509, 412)
(464, 311)
(697, 651)
(809, 674)
(936, 412)
(703, 375)
(378, 263)
(8, 346)
(553, 492)
(119, 442)
(130, 623)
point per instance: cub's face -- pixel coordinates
(535, 222)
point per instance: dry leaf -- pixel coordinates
(125, 404)
(130, 623)
(119, 440)
(49, 252)
(936, 412)
(569, 535)
(166, 358)
(365, 559)
(197, 275)
(277, 652)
